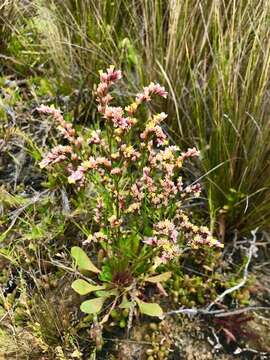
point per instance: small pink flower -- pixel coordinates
(194, 189)
(180, 184)
(95, 137)
(148, 181)
(99, 236)
(129, 152)
(102, 89)
(116, 171)
(161, 137)
(98, 210)
(103, 161)
(152, 240)
(78, 141)
(56, 155)
(49, 110)
(169, 189)
(190, 153)
(141, 97)
(136, 191)
(166, 227)
(77, 175)
(131, 121)
(65, 127)
(135, 207)
(114, 221)
(111, 75)
(113, 112)
(155, 89)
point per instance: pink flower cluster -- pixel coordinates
(153, 127)
(152, 89)
(65, 127)
(166, 236)
(195, 189)
(116, 114)
(61, 153)
(78, 175)
(95, 138)
(196, 235)
(129, 152)
(57, 154)
(111, 113)
(134, 172)
(190, 153)
(110, 76)
(160, 181)
(166, 239)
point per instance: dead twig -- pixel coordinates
(251, 252)
(216, 313)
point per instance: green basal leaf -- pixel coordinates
(92, 306)
(106, 274)
(125, 304)
(135, 243)
(150, 309)
(83, 287)
(107, 293)
(82, 260)
(147, 229)
(159, 278)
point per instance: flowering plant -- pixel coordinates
(139, 224)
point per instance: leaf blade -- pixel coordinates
(150, 309)
(92, 306)
(82, 260)
(159, 278)
(83, 287)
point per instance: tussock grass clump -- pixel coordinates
(7, 12)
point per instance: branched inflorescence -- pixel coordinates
(137, 175)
